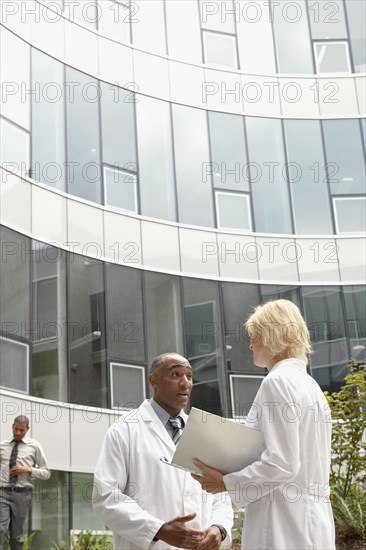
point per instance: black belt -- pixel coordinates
(16, 489)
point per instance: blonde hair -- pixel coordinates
(279, 325)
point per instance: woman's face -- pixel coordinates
(261, 355)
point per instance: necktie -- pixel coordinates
(177, 424)
(13, 460)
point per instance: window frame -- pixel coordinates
(337, 227)
(327, 43)
(27, 366)
(231, 385)
(125, 365)
(246, 196)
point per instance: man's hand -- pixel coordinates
(16, 470)
(212, 539)
(212, 480)
(176, 533)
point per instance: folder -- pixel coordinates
(221, 443)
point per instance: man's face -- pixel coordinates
(172, 384)
(19, 431)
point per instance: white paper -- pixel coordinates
(219, 442)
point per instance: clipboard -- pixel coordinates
(221, 443)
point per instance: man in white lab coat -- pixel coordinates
(146, 503)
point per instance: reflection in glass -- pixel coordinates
(127, 386)
(14, 148)
(243, 390)
(355, 304)
(84, 174)
(87, 341)
(163, 312)
(120, 189)
(327, 19)
(350, 214)
(125, 314)
(194, 185)
(228, 152)
(308, 183)
(14, 361)
(82, 513)
(268, 176)
(332, 57)
(220, 49)
(233, 211)
(156, 170)
(114, 20)
(280, 292)
(356, 12)
(48, 122)
(345, 156)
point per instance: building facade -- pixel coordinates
(166, 165)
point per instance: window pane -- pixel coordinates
(124, 313)
(82, 513)
(233, 211)
(50, 509)
(15, 283)
(290, 27)
(280, 292)
(308, 183)
(228, 152)
(14, 365)
(220, 49)
(218, 16)
(118, 127)
(191, 151)
(49, 334)
(148, 32)
(127, 386)
(87, 332)
(267, 170)
(327, 19)
(84, 12)
(356, 12)
(114, 20)
(345, 156)
(48, 123)
(355, 302)
(238, 302)
(332, 57)
(243, 392)
(156, 170)
(14, 148)
(84, 175)
(324, 317)
(203, 341)
(350, 214)
(120, 189)
(163, 311)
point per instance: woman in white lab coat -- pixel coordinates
(286, 491)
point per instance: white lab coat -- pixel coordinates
(286, 492)
(135, 492)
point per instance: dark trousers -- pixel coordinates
(14, 508)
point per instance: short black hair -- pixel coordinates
(159, 361)
(21, 420)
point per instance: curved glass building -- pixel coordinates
(166, 165)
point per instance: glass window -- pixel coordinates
(290, 26)
(115, 19)
(50, 509)
(243, 390)
(14, 148)
(82, 512)
(203, 341)
(220, 49)
(350, 214)
(15, 283)
(345, 156)
(48, 121)
(14, 361)
(84, 174)
(125, 314)
(191, 151)
(268, 176)
(118, 127)
(332, 57)
(228, 153)
(49, 334)
(218, 16)
(156, 169)
(356, 12)
(83, 12)
(86, 322)
(325, 320)
(147, 16)
(238, 302)
(120, 189)
(233, 211)
(355, 303)
(327, 19)
(307, 176)
(163, 312)
(280, 292)
(127, 386)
